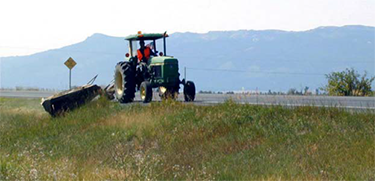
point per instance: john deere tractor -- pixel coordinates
(159, 71)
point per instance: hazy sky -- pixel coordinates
(29, 26)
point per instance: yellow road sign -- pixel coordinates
(70, 63)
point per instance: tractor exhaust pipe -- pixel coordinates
(164, 43)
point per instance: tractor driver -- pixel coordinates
(144, 52)
(152, 48)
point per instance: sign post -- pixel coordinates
(70, 79)
(70, 63)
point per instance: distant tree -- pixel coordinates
(348, 83)
(292, 91)
(206, 92)
(306, 90)
(317, 91)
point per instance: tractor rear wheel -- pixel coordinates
(124, 82)
(146, 91)
(189, 91)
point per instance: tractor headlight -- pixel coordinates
(162, 89)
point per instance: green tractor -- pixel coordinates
(158, 71)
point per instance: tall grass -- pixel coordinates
(171, 140)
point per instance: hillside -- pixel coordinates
(174, 141)
(263, 60)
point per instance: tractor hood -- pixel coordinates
(164, 60)
(165, 71)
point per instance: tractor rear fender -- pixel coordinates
(183, 82)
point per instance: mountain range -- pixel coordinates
(218, 60)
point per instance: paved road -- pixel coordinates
(207, 99)
(26, 94)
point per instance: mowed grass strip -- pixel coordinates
(172, 140)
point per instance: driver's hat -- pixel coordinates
(150, 44)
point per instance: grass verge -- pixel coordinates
(171, 140)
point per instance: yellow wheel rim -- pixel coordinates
(119, 83)
(143, 93)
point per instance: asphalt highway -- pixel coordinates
(26, 94)
(365, 103)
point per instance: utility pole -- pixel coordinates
(185, 73)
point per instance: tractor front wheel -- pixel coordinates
(189, 91)
(146, 91)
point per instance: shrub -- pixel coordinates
(348, 83)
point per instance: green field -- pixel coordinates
(175, 141)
